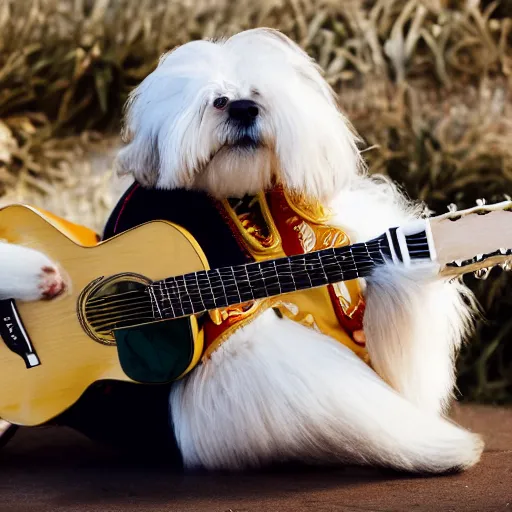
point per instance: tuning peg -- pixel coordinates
(480, 202)
(506, 266)
(483, 273)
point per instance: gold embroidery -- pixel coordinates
(348, 297)
(232, 319)
(332, 310)
(313, 211)
(254, 222)
(307, 236)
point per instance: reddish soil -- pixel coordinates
(53, 469)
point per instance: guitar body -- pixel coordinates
(70, 359)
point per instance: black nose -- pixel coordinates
(243, 111)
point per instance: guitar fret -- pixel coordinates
(353, 259)
(236, 286)
(277, 276)
(194, 295)
(333, 266)
(166, 287)
(230, 289)
(218, 288)
(154, 303)
(200, 290)
(175, 296)
(248, 283)
(322, 266)
(205, 290)
(188, 309)
(263, 281)
(306, 272)
(244, 285)
(266, 276)
(211, 289)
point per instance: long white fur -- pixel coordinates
(414, 325)
(276, 390)
(173, 130)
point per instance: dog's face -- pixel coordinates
(232, 117)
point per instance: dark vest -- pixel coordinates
(135, 418)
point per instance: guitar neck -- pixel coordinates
(218, 288)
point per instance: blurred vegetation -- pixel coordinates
(426, 83)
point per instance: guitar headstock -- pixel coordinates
(473, 240)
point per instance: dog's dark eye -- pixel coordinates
(221, 102)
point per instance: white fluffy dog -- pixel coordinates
(276, 390)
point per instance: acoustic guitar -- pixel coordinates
(133, 303)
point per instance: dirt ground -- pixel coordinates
(54, 469)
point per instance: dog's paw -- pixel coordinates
(27, 274)
(51, 284)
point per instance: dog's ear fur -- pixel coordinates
(154, 127)
(139, 158)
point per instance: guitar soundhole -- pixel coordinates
(112, 303)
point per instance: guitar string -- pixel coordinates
(322, 260)
(134, 304)
(224, 280)
(117, 324)
(107, 313)
(115, 304)
(101, 300)
(147, 312)
(227, 280)
(144, 313)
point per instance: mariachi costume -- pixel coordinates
(232, 232)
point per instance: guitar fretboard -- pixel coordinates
(206, 290)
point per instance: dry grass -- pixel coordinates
(427, 84)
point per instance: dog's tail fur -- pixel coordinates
(278, 391)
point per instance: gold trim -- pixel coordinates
(314, 308)
(313, 211)
(258, 251)
(248, 316)
(198, 340)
